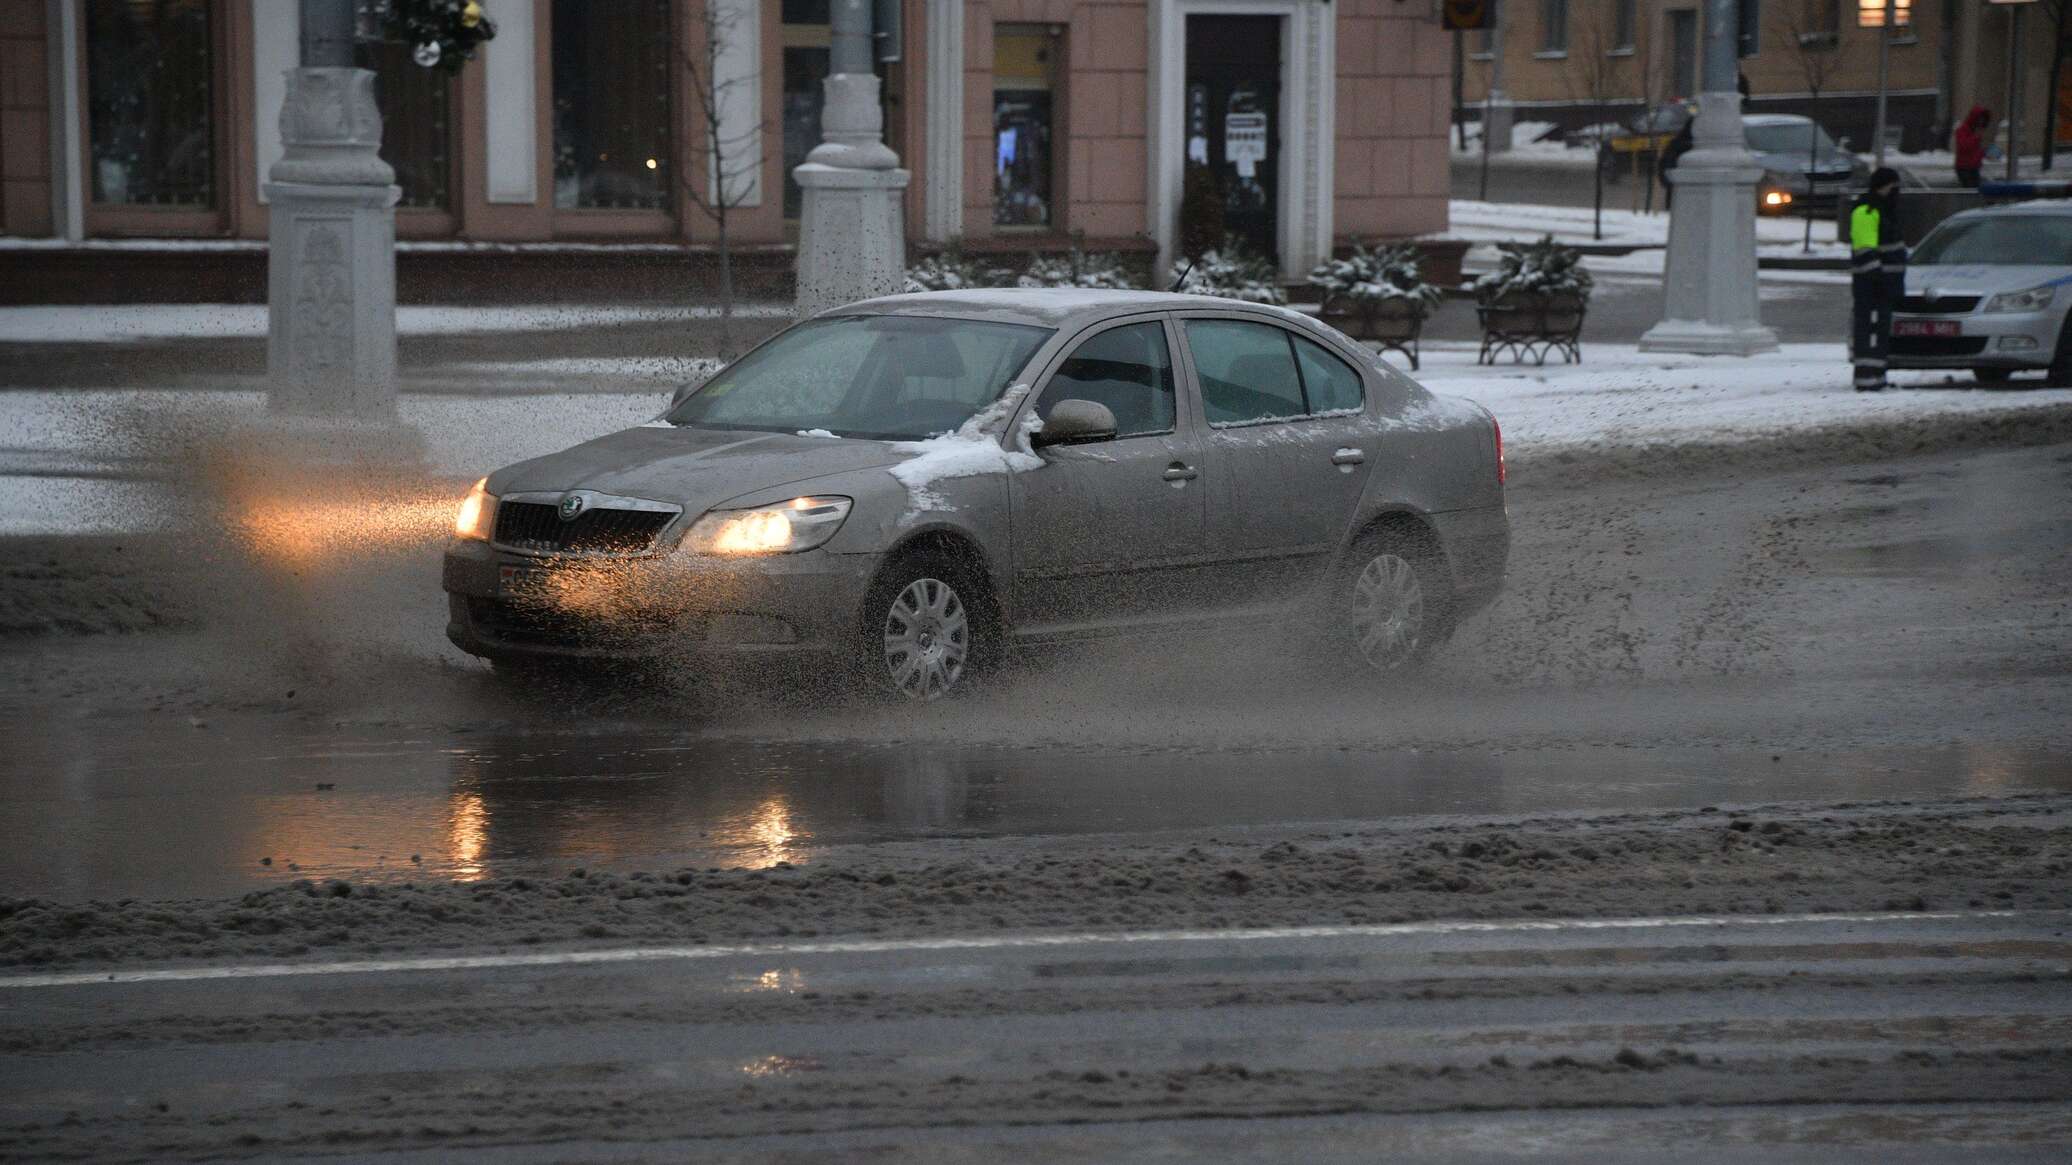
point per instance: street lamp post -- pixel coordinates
(1883, 15)
(331, 262)
(852, 226)
(1709, 279)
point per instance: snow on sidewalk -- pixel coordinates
(118, 323)
(1622, 396)
(1523, 221)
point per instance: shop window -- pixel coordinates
(1025, 69)
(611, 105)
(151, 117)
(806, 41)
(416, 123)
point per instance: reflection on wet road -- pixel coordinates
(107, 810)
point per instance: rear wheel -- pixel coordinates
(927, 630)
(1393, 603)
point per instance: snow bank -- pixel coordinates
(119, 323)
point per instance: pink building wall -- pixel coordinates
(1394, 68)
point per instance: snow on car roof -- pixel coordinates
(1042, 306)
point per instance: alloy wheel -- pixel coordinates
(1387, 612)
(927, 640)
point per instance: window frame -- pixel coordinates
(1071, 349)
(1290, 335)
(1551, 47)
(576, 222)
(127, 220)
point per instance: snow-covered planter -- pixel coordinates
(1533, 303)
(948, 271)
(1100, 269)
(1232, 272)
(1379, 295)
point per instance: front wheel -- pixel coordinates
(926, 630)
(1992, 376)
(1392, 605)
(2060, 375)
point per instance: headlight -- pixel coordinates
(799, 524)
(477, 514)
(2034, 299)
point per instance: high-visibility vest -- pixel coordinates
(1869, 253)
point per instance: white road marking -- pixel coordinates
(982, 943)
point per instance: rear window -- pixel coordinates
(2032, 240)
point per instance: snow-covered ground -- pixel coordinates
(100, 324)
(1622, 396)
(1504, 221)
(1526, 145)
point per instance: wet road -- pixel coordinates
(101, 810)
(1940, 1034)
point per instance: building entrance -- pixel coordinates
(1232, 115)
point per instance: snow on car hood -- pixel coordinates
(694, 468)
(1981, 278)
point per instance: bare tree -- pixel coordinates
(1601, 76)
(728, 158)
(1807, 29)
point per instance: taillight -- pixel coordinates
(1499, 431)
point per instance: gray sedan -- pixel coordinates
(905, 489)
(1991, 290)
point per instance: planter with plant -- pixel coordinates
(1232, 271)
(1378, 294)
(1533, 303)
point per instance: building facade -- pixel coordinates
(1027, 124)
(1576, 62)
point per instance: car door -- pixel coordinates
(1110, 532)
(1287, 447)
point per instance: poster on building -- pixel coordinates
(1244, 141)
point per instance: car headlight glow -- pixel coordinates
(2034, 299)
(799, 524)
(477, 514)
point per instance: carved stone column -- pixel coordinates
(852, 227)
(331, 266)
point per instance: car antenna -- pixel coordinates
(1182, 280)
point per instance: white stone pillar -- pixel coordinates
(67, 146)
(331, 264)
(1709, 280)
(1498, 114)
(852, 227)
(944, 123)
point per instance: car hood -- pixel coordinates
(1786, 162)
(1981, 278)
(694, 468)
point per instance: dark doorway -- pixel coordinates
(1233, 120)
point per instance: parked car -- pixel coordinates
(1990, 290)
(1645, 135)
(905, 488)
(1802, 166)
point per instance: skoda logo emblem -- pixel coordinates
(571, 506)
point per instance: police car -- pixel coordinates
(1990, 290)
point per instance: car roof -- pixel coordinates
(1049, 307)
(1774, 119)
(2057, 207)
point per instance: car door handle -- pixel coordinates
(1179, 472)
(1348, 457)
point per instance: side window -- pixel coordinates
(1129, 370)
(1331, 384)
(1247, 371)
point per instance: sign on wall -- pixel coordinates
(1463, 15)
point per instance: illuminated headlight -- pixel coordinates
(1776, 198)
(799, 524)
(2034, 299)
(477, 514)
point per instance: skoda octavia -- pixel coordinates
(905, 489)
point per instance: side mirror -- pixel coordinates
(1075, 422)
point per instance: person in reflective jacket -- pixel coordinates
(1878, 274)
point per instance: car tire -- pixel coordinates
(1391, 603)
(1992, 377)
(928, 630)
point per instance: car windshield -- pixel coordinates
(2030, 240)
(1788, 139)
(887, 377)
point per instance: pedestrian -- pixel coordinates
(1878, 273)
(1672, 154)
(1969, 143)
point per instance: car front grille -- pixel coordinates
(537, 527)
(1938, 345)
(1941, 305)
(521, 621)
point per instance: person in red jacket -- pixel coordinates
(1970, 145)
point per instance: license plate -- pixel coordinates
(519, 580)
(1926, 328)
